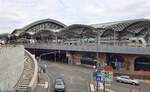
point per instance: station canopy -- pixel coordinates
(49, 29)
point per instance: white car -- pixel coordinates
(59, 85)
(127, 79)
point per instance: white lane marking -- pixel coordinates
(92, 87)
(41, 84)
(109, 90)
(46, 85)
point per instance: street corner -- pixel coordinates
(43, 83)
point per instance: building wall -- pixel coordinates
(11, 65)
(129, 59)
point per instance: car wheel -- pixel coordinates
(117, 80)
(133, 83)
(120, 81)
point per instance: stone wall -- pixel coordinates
(11, 65)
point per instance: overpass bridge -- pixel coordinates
(131, 59)
(102, 48)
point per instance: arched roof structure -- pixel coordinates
(119, 29)
(45, 24)
(45, 34)
(78, 31)
(126, 28)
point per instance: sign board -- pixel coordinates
(6, 90)
(108, 76)
(108, 68)
(108, 73)
(99, 78)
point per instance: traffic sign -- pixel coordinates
(99, 78)
(108, 68)
(108, 73)
(108, 76)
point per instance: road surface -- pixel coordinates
(77, 79)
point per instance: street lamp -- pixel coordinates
(46, 54)
(114, 37)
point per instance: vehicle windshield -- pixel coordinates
(59, 82)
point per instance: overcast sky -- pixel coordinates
(18, 13)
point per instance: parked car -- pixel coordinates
(127, 79)
(59, 85)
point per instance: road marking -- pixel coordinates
(109, 90)
(41, 84)
(46, 85)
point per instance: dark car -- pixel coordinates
(59, 85)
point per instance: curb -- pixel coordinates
(48, 82)
(145, 81)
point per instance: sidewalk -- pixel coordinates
(43, 83)
(144, 81)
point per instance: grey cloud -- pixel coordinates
(19, 13)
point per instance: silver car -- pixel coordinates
(127, 79)
(59, 85)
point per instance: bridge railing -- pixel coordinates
(91, 47)
(89, 43)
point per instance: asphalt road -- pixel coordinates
(77, 79)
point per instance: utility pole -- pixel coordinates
(97, 56)
(104, 84)
(114, 37)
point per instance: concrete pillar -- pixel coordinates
(69, 56)
(131, 60)
(102, 58)
(76, 58)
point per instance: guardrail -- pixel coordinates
(34, 79)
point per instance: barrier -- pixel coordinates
(34, 79)
(28, 79)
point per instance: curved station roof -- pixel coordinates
(120, 29)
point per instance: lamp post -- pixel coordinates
(114, 37)
(46, 54)
(97, 55)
